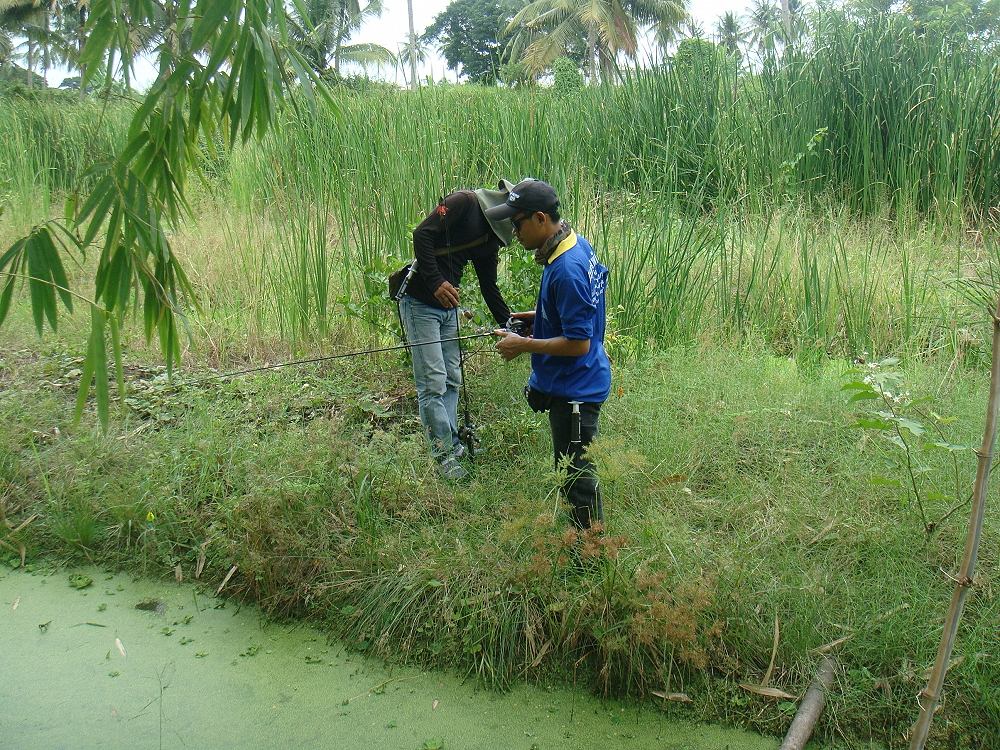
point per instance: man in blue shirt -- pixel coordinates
(570, 371)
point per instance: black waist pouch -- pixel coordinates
(538, 401)
(396, 280)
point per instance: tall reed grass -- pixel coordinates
(705, 186)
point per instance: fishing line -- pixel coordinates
(346, 355)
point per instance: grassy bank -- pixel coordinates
(738, 496)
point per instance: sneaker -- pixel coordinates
(451, 469)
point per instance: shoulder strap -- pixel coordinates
(439, 251)
(448, 248)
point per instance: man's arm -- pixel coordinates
(511, 345)
(576, 311)
(486, 272)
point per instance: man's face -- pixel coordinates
(528, 229)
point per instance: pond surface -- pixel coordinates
(86, 668)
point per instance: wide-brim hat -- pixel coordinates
(488, 199)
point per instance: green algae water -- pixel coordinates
(120, 663)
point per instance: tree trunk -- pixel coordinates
(81, 40)
(786, 18)
(31, 64)
(341, 26)
(929, 697)
(46, 50)
(413, 47)
(592, 54)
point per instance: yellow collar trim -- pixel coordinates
(562, 247)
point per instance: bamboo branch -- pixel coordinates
(929, 696)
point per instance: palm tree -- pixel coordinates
(411, 55)
(547, 29)
(71, 23)
(730, 33)
(321, 33)
(692, 29)
(65, 32)
(28, 19)
(796, 22)
(13, 14)
(765, 24)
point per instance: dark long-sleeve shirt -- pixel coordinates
(458, 221)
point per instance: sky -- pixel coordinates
(392, 28)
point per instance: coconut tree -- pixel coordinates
(796, 23)
(730, 33)
(765, 23)
(28, 19)
(13, 15)
(322, 28)
(692, 29)
(547, 29)
(411, 54)
(71, 22)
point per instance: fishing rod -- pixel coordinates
(467, 432)
(346, 355)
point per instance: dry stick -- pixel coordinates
(774, 652)
(929, 697)
(811, 707)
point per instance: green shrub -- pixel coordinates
(568, 78)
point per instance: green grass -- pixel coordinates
(736, 494)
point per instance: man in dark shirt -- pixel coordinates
(455, 234)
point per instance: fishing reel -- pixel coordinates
(517, 326)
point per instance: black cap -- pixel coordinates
(528, 195)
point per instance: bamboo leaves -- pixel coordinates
(36, 259)
(219, 60)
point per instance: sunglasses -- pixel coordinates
(517, 221)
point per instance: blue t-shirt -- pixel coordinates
(571, 304)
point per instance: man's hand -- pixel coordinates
(446, 295)
(510, 344)
(528, 317)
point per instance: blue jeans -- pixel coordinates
(436, 370)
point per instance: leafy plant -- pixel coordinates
(568, 78)
(912, 428)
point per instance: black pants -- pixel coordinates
(581, 489)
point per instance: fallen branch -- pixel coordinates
(811, 707)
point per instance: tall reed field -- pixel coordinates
(718, 193)
(766, 228)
